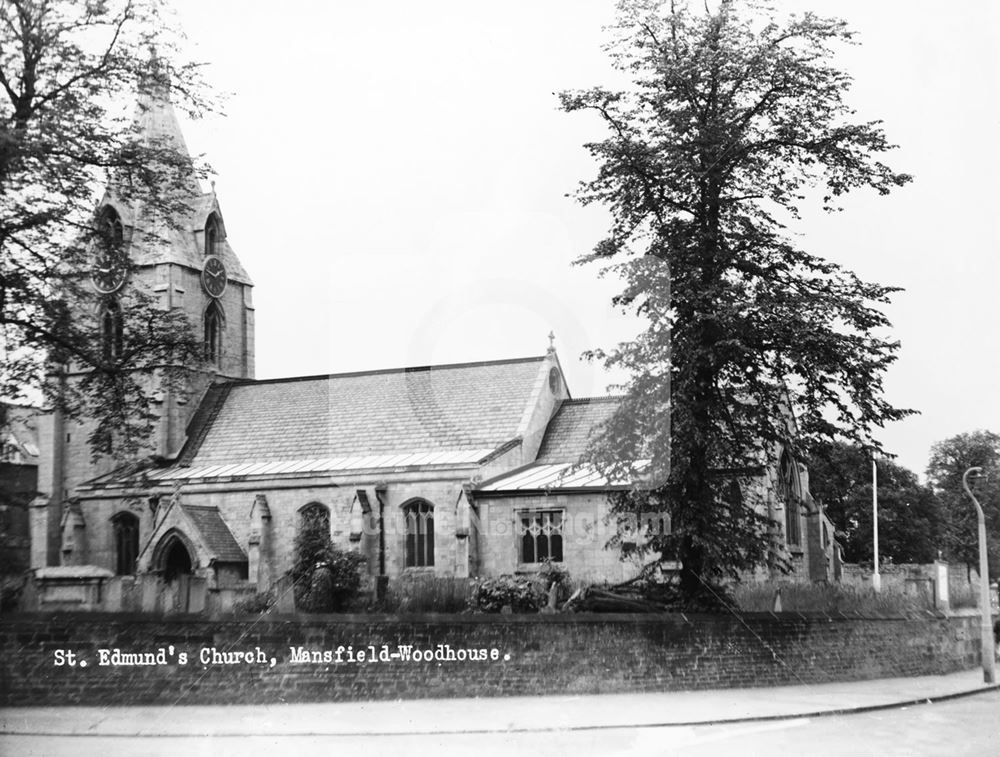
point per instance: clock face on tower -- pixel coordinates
(213, 276)
(109, 272)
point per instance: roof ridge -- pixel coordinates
(384, 371)
(592, 400)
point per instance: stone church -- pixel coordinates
(449, 470)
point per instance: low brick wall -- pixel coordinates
(544, 654)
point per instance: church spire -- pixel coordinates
(155, 122)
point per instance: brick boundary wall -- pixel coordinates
(543, 654)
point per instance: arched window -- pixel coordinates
(110, 229)
(126, 535)
(315, 513)
(419, 534)
(212, 235)
(214, 322)
(787, 490)
(112, 329)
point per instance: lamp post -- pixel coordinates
(985, 616)
(876, 576)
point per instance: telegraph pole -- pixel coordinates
(985, 614)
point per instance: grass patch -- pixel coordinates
(828, 598)
(965, 597)
(426, 594)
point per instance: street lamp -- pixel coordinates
(876, 576)
(985, 616)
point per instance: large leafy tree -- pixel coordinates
(733, 120)
(911, 522)
(949, 461)
(66, 69)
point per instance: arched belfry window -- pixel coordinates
(112, 329)
(110, 229)
(419, 516)
(214, 323)
(125, 528)
(787, 490)
(213, 235)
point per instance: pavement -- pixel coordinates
(494, 715)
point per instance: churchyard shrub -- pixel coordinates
(255, 604)
(522, 593)
(519, 593)
(325, 578)
(11, 588)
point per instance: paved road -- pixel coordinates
(965, 726)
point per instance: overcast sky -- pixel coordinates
(393, 176)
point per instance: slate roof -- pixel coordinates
(570, 430)
(467, 407)
(564, 443)
(326, 465)
(215, 534)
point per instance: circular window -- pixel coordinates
(555, 380)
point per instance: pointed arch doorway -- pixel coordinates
(174, 560)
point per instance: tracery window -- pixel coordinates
(787, 493)
(540, 534)
(110, 229)
(315, 512)
(419, 534)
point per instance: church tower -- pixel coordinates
(186, 265)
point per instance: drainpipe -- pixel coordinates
(382, 581)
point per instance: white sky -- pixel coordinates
(393, 177)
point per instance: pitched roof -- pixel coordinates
(571, 429)
(566, 439)
(321, 466)
(215, 534)
(462, 407)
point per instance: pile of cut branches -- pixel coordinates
(645, 594)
